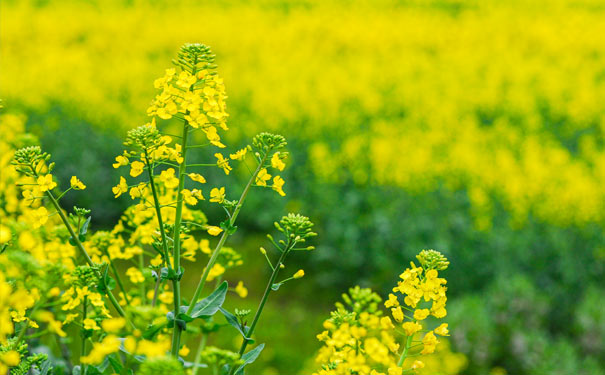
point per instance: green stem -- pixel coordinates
(118, 278)
(83, 347)
(176, 335)
(158, 211)
(221, 242)
(83, 251)
(408, 343)
(198, 354)
(263, 301)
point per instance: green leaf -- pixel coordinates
(152, 330)
(232, 319)
(249, 357)
(209, 305)
(275, 286)
(84, 228)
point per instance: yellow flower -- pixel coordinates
(299, 274)
(217, 195)
(442, 330)
(262, 177)
(397, 314)
(120, 188)
(430, 342)
(136, 168)
(5, 234)
(277, 163)
(421, 314)
(11, 358)
(241, 290)
(240, 154)
(91, 324)
(411, 328)
(197, 178)
(205, 246)
(135, 275)
(167, 177)
(188, 197)
(46, 182)
(214, 231)
(184, 351)
(395, 371)
(417, 365)
(40, 216)
(278, 183)
(215, 271)
(221, 162)
(392, 301)
(76, 184)
(113, 324)
(120, 161)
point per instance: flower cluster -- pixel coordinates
(359, 339)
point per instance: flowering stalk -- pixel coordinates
(297, 229)
(176, 283)
(158, 211)
(221, 242)
(80, 247)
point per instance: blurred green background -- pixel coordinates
(476, 128)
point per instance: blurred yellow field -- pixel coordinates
(476, 128)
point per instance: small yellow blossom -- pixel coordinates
(197, 178)
(421, 314)
(120, 188)
(442, 330)
(135, 275)
(120, 161)
(299, 274)
(76, 184)
(417, 365)
(40, 216)
(217, 195)
(241, 290)
(136, 168)
(262, 177)
(90, 324)
(240, 154)
(168, 178)
(397, 314)
(113, 325)
(278, 184)
(277, 163)
(221, 162)
(411, 328)
(46, 182)
(184, 351)
(214, 231)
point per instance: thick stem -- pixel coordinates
(176, 335)
(221, 242)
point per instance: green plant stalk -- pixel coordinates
(80, 247)
(83, 348)
(198, 354)
(221, 242)
(158, 211)
(263, 300)
(176, 333)
(408, 343)
(118, 278)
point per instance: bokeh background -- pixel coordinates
(476, 128)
